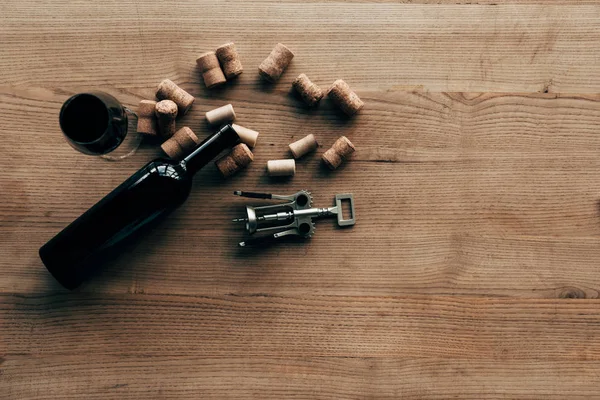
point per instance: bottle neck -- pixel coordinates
(210, 148)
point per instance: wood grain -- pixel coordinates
(311, 347)
(311, 326)
(445, 47)
(472, 271)
(300, 378)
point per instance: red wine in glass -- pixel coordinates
(96, 123)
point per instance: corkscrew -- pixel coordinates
(292, 218)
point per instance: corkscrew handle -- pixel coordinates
(338, 205)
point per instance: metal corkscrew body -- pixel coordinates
(294, 217)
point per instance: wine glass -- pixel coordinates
(96, 123)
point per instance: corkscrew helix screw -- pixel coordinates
(294, 217)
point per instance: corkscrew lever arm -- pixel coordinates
(255, 195)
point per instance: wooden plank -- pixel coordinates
(388, 46)
(453, 327)
(101, 377)
(481, 194)
(491, 3)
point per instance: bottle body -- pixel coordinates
(149, 194)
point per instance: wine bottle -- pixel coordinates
(149, 194)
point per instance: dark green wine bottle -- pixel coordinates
(150, 193)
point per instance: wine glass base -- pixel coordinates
(127, 148)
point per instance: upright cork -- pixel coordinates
(246, 135)
(340, 151)
(310, 93)
(230, 60)
(166, 112)
(303, 146)
(146, 122)
(281, 167)
(167, 90)
(238, 159)
(221, 115)
(211, 70)
(181, 144)
(273, 66)
(345, 98)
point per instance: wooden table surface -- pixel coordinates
(472, 272)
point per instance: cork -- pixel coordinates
(146, 108)
(166, 112)
(238, 159)
(281, 167)
(309, 92)
(181, 144)
(229, 60)
(303, 146)
(340, 151)
(167, 90)
(221, 115)
(246, 135)
(146, 122)
(211, 70)
(187, 139)
(172, 149)
(273, 66)
(345, 98)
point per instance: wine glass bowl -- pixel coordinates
(95, 122)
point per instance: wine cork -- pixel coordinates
(340, 150)
(187, 139)
(246, 135)
(172, 149)
(238, 159)
(211, 70)
(221, 115)
(167, 90)
(310, 93)
(345, 98)
(166, 112)
(181, 144)
(230, 60)
(304, 146)
(281, 167)
(146, 123)
(273, 66)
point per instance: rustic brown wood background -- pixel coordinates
(474, 267)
